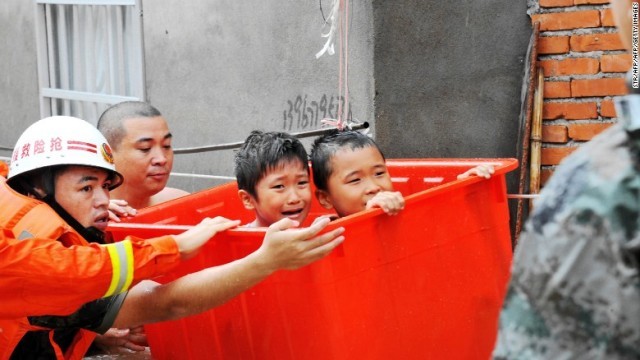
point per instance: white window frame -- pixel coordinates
(49, 95)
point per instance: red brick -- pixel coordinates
(553, 45)
(584, 2)
(598, 87)
(615, 63)
(570, 110)
(555, 3)
(572, 66)
(606, 17)
(586, 132)
(553, 156)
(554, 134)
(545, 174)
(595, 42)
(557, 89)
(568, 20)
(607, 109)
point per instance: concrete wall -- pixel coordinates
(445, 76)
(448, 76)
(218, 70)
(19, 104)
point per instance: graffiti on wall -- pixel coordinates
(304, 112)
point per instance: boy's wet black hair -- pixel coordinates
(262, 152)
(325, 146)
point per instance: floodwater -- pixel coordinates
(143, 355)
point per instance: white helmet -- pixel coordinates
(62, 140)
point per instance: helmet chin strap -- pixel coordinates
(45, 192)
(91, 234)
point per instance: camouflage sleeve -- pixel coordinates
(575, 290)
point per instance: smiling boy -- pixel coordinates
(350, 174)
(272, 170)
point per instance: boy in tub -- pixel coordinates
(350, 174)
(272, 170)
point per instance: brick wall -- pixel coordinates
(584, 64)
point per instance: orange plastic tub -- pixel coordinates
(425, 284)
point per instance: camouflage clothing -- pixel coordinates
(575, 290)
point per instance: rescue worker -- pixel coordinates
(23, 215)
(575, 286)
(65, 163)
(36, 273)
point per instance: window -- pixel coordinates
(90, 55)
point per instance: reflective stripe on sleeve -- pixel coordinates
(121, 254)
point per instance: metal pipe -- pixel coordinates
(238, 144)
(204, 176)
(523, 196)
(235, 145)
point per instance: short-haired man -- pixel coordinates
(142, 152)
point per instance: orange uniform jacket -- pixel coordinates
(43, 277)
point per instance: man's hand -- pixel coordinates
(122, 341)
(286, 247)
(120, 208)
(190, 241)
(392, 202)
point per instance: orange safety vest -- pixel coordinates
(29, 218)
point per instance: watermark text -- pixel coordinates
(635, 67)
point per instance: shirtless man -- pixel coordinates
(142, 152)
